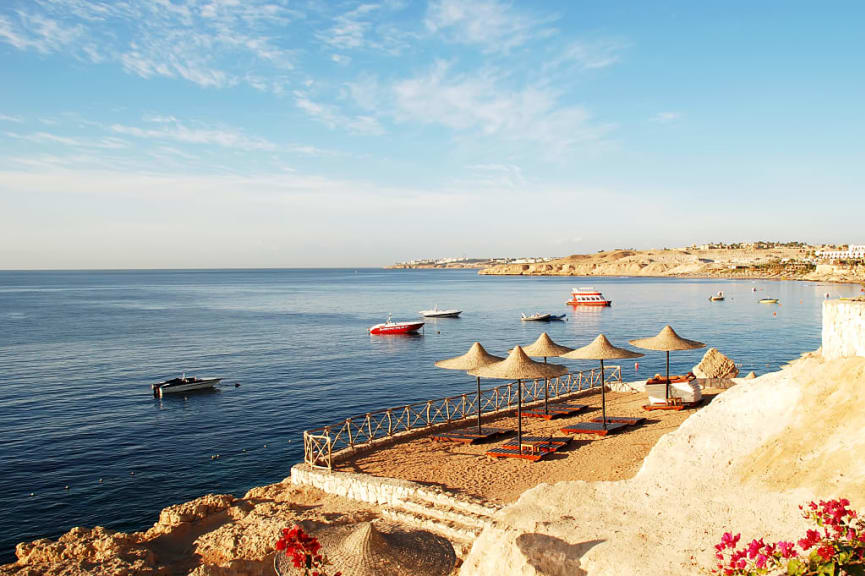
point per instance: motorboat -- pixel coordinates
(436, 313)
(537, 318)
(588, 297)
(183, 384)
(768, 300)
(558, 317)
(391, 327)
(717, 297)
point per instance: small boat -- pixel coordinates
(768, 300)
(717, 297)
(391, 327)
(183, 384)
(537, 318)
(436, 313)
(588, 297)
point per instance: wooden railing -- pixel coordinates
(322, 445)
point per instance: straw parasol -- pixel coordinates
(518, 366)
(476, 357)
(602, 349)
(545, 347)
(363, 550)
(667, 340)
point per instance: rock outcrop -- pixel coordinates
(215, 535)
(715, 365)
(743, 463)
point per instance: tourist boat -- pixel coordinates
(436, 313)
(184, 384)
(391, 327)
(537, 318)
(588, 297)
(768, 300)
(717, 297)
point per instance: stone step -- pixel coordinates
(445, 512)
(440, 498)
(453, 531)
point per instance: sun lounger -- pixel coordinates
(524, 455)
(540, 443)
(685, 392)
(627, 420)
(594, 428)
(557, 410)
(470, 435)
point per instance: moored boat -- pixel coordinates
(391, 327)
(717, 297)
(183, 384)
(588, 297)
(436, 313)
(768, 300)
(537, 318)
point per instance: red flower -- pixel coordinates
(826, 552)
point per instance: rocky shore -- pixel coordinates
(773, 264)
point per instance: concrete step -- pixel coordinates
(445, 512)
(440, 498)
(453, 531)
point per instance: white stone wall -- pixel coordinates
(843, 328)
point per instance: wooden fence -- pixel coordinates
(322, 445)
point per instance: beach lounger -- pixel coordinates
(558, 410)
(470, 435)
(626, 420)
(540, 443)
(503, 453)
(594, 428)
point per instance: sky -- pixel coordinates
(274, 133)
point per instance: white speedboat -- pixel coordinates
(536, 317)
(436, 313)
(184, 384)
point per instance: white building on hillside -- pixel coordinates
(853, 252)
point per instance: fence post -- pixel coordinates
(348, 424)
(428, 406)
(389, 423)
(369, 425)
(464, 407)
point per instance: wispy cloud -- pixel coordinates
(212, 44)
(495, 26)
(365, 26)
(12, 119)
(480, 103)
(331, 116)
(590, 54)
(169, 128)
(665, 117)
(50, 138)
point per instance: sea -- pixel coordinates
(83, 442)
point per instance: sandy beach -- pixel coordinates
(465, 469)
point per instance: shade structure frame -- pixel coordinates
(476, 357)
(518, 366)
(667, 340)
(602, 349)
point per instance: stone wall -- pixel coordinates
(843, 328)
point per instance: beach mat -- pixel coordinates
(555, 411)
(627, 420)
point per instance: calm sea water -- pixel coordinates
(78, 351)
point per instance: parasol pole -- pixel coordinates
(479, 406)
(603, 396)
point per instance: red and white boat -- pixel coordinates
(588, 297)
(391, 327)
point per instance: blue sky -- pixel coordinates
(209, 133)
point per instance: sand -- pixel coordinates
(465, 470)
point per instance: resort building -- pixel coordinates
(853, 252)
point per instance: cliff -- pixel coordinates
(743, 463)
(774, 263)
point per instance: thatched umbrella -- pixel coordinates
(476, 357)
(363, 550)
(601, 349)
(667, 340)
(518, 366)
(545, 347)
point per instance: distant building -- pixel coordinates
(853, 252)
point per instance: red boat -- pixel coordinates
(391, 327)
(588, 297)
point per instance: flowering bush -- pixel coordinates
(835, 548)
(304, 552)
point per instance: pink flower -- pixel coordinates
(787, 549)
